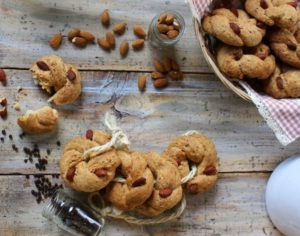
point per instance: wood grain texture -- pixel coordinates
(244, 141)
(235, 206)
(32, 23)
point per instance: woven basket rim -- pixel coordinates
(208, 57)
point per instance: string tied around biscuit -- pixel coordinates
(119, 139)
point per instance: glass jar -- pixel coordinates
(73, 216)
(158, 39)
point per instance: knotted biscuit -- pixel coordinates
(88, 175)
(282, 13)
(54, 76)
(256, 62)
(138, 186)
(40, 121)
(167, 191)
(234, 27)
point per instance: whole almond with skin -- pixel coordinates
(235, 28)
(210, 170)
(160, 83)
(2, 76)
(100, 172)
(293, 3)
(263, 4)
(55, 41)
(3, 112)
(193, 188)
(73, 33)
(103, 43)
(292, 46)
(159, 66)
(162, 28)
(139, 182)
(156, 75)
(162, 18)
(172, 34)
(139, 31)
(119, 28)
(71, 75)
(169, 19)
(171, 27)
(105, 18)
(176, 75)
(71, 173)
(167, 61)
(42, 66)
(124, 47)
(234, 11)
(166, 192)
(3, 101)
(89, 134)
(79, 42)
(110, 38)
(279, 83)
(175, 65)
(261, 25)
(137, 44)
(87, 35)
(142, 83)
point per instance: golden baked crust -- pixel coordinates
(284, 85)
(286, 45)
(282, 13)
(233, 27)
(41, 121)
(88, 175)
(53, 75)
(256, 62)
(200, 150)
(167, 191)
(138, 186)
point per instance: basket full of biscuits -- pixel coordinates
(253, 46)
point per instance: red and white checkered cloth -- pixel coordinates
(282, 115)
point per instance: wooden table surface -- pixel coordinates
(247, 148)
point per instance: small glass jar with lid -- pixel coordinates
(73, 216)
(166, 29)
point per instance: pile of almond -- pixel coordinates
(3, 100)
(168, 26)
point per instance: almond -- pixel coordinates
(210, 170)
(42, 66)
(171, 27)
(234, 11)
(139, 182)
(87, 35)
(162, 28)
(292, 46)
(279, 83)
(169, 19)
(238, 55)
(119, 28)
(172, 34)
(3, 101)
(175, 66)
(167, 63)
(160, 83)
(100, 172)
(89, 134)
(176, 75)
(236, 29)
(103, 43)
(79, 42)
(124, 47)
(162, 18)
(3, 112)
(73, 33)
(137, 44)
(159, 66)
(2, 76)
(71, 173)
(166, 192)
(110, 38)
(71, 75)
(261, 25)
(55, 41)
(193, 188)
(105, 18)
(156, 75)
(263, 4)
(142, 83)
(293, 3)
(139, 31)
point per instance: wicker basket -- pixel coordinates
(229, 83)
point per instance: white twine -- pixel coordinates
(119, 139)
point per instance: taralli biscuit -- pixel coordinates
(234, 27)
(286, 45)
(88, 175)
(256, 62)
(138, 186)
(282, 13)
(284, 85)
(167, 191)
(54, 76)
(200, 150)
(40, 121)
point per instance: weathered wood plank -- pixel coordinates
(27, 26)
(235, 206)
(243, 140)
